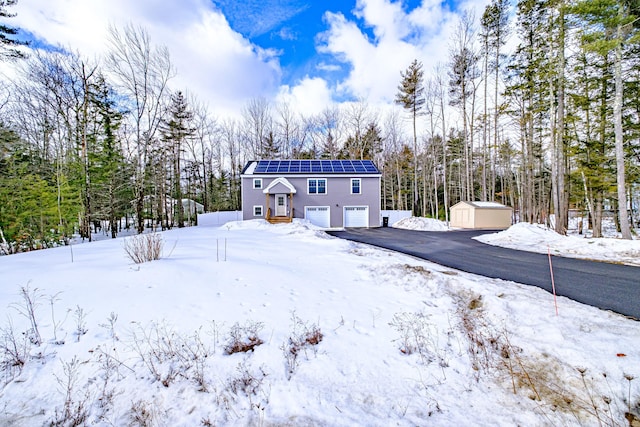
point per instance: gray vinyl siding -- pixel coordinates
(338, 196)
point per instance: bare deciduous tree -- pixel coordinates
(256, 126)
(141, 72)
(463, 74)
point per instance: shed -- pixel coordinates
(490, 215)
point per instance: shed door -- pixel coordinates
(318, 215)
(356, 216)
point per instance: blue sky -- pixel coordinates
(309, 54)
(294, 28)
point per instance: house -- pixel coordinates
(489, 215)
(328, 193)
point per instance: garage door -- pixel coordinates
(318, 215)
(356, 216)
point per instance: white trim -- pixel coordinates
(359, 186)
(261, 210)
(282, 180)
(255, 187)
(252, 166)
(326, 186)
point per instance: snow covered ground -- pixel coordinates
(541, 239)
(351, 335)
(421, 224)
(538, 238)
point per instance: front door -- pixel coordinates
(281, 205)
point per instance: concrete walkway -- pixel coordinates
(607, 286)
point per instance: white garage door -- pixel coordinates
(356, 216)
(318, 215)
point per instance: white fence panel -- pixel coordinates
(216, 219)
(394, 216)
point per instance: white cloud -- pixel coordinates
(220, 66)
(310, 96)
(287, 34)
(323, 66)
(430, 17)
(386, 18)
(399, 38)
(215, 63)
(225, 70)
(375, 66)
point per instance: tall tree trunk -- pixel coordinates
(562, 205)
(445, 181)
(416, 196)
(85, 153)
(619, 141)
(496, 115)
(485, 125)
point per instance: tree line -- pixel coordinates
(546, 127)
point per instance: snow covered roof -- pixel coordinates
(486, 205)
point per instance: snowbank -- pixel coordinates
(421, 224)
(538, 238)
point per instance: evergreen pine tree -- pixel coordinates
(109, 171)
(410, 96)
(611, 25)
(8, 34)
(176, 130)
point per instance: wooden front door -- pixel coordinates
(281, 205)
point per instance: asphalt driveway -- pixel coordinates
(607, 286)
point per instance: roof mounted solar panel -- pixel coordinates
(283, 167)
(348, 167)
(369, 166)
(315, 167)
(337, 166)
(261, 167)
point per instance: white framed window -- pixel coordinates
(317, 186)
(356, 186)
(257, 210)
(257, 183)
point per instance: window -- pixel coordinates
(257, 183)
(257, 210)
(355, 186)
(317, 186)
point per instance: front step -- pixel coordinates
(279, 220)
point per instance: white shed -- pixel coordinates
(481, 215)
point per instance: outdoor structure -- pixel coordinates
(328, 193)
(166, 207)
(490, 215)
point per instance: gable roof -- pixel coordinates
(483, 205)
(306, 167)
(281, 182)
